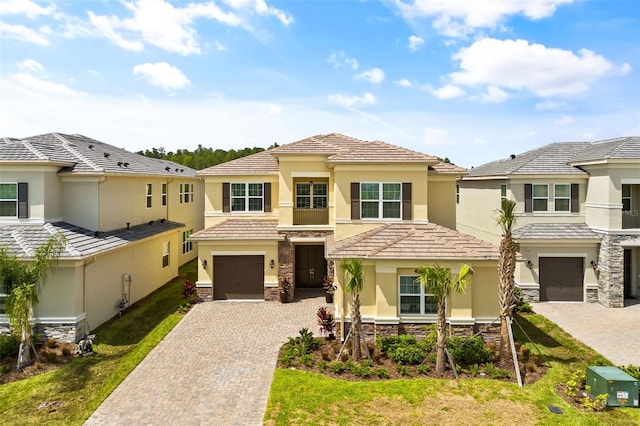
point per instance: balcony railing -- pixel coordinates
(310, 216)
(630, 219)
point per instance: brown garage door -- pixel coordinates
(561, 279)
(238, 277)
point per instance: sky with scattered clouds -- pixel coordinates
(473, 81)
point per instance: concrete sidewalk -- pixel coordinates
(214, 367)
(612, 332)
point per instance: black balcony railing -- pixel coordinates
(310, 216)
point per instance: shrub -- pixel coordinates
(49, 357)
(577, 382)
(51, 344)
(322, 365)
(9, 346)
(474, 370)
(363, 371)
(385, 343)
(382, 373)
(495, 372)
(521, 304)
(189, 289)
(307, 360)
(468, 351)
(424, 369)
(325, 355)
(286, 361)
(326, 321)
(632, 370)
(407, 354)
(4, 369)
(599, 403)
(403, 370)
(66, 351)
(337, 367)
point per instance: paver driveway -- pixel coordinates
(214, 368)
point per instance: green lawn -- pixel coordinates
(298, 397)
(78, 388)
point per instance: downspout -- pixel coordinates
(84, 291)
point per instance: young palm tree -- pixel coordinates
(24, 280)
(506, 219)
(440, 282)
(354, 282)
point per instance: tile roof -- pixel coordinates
(619, 148)
(332, 143)
(448, 168)
(83, 155)
(377, 151)
(411, 241)
(261, 163)
(241, 229)
(23, 240)
(548, 159)
(555, 231)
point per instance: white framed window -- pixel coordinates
(457, 193)
(190, 192)
(626, 197)
(311, 195)
(380, 200)
(187, 245)
(4, 293)
(165, 253)
(186, 193)
(413, 298)
(562, 197)
(164, 194)
(8, 199)
(247, 197)
(503, 192)
(540, 197)
(149, 195)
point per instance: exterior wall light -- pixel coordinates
(529, 264)
(204, 263)
(594, 265)
(272, 263)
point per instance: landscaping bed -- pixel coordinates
(51, 355)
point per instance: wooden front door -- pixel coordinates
(311, 266)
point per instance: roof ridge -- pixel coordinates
(34, 150)
(619, 146)
(70, 247)
(396, 240)
(538, 153)
(68, 146)
(23, 243)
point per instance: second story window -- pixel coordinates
(626, 197)
(246, 197)
(311, 195)
(9, 199)
(566, 197)
(381, 200)
(166, 247)
(149, 195)
(186, 193)
(457, 193)
(164, 194)
(540, 198)
(503, 192)
(562, 197)
(187, 245)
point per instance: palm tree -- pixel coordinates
(354, 282)
(24, 281)
(506, 219)
(439, 282)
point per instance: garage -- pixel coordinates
(561, 279)
(238, 277)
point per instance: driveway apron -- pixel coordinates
(214, 367)
(612, 332)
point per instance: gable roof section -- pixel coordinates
(619, 148)
(406, 241)
(260, 163)
(83, 155)
(23, 240)
(240, 229)
(330, 144)
(381, 152)
(555, 231)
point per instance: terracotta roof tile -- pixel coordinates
(240, 229)
(555, 231)
(377, 151)
(261, 163)
(407, 241)
(330, 144)
(448, 168)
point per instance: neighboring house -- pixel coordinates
(127, 220)
(578, 226)
(296, 211)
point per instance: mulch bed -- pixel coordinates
(48, 361)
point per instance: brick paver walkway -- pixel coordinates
(612, 332)
(214, 368)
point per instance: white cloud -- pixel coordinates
(105, 26)
(30, 82)
(460, 18)
(372, 75)
(261, 8)
(495, 95)
(351, 101)
(163, 75)
(22, 33)
(25, 7)
(219, 46)
(516, 64)
(30, 65)
(549, 104)
(338, 58)
(448, 91)
(352, 62)
(403, 82)
(565, 119)
(415, 42)
(436, 137)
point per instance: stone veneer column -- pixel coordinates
(611, 272)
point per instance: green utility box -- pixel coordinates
(621, 388)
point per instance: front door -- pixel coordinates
(311, 266)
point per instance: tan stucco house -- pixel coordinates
(126, 218)
(578, 226)
(296, 211)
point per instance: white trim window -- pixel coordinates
(413, 299)
(186, 193)
(380, 200)
(503, 192)
(166, 246)
(562, 197)
(187, 245)
(311, 195)
(247, 197)
(540, 197)
(626, 197)
(457, 193)
(164, 194)
(149, 195)
(8, 199)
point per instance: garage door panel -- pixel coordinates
(238, 277)
(561, 279)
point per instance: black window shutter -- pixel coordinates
(355, 200)
(23, 200)
(267, 196)
(406, 201)
(226, 197)
(528, 197)
(575, 201)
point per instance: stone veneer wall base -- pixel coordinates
(611, 272)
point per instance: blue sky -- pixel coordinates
(470, 80)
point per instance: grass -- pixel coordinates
(71, 393)
(300, 398)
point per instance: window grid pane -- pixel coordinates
(8, 191)
(320, 189)
(8, 208)
(540, 191)
(237, 204)
(255, 204)
(320, 202)
(540, 205)
(391, 210)
(562, 191)
(562, 205)
(369, 191)
(255, 190)
(391, 191)
(303, 202)
(410, 304)
(370, 210)
(237, 189)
